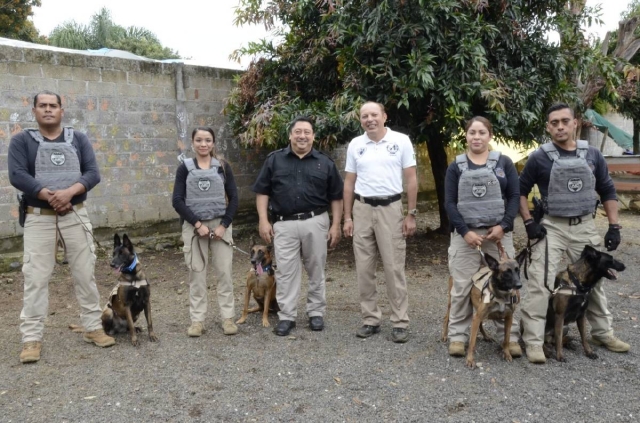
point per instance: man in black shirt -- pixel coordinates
(302, 184)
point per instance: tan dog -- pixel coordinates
(262, 283)
(494, 296)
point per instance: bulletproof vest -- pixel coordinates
(479, 196)
(572, 185)
(205, 190)
(57, 163)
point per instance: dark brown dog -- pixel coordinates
(262, 283)
(570, 299)
(131, 296)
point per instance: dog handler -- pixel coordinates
(377, 161)
(206, 198)
(482, 200)
(302, 184)
(568, 173)
(54, 168)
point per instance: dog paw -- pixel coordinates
(241, 320)
(134, 342)
(561, 359)
(444, 338)
(153, 337)
(591, 355)
(507, 356)
(470, 363)
(265, 323)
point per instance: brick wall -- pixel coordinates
(137, 114)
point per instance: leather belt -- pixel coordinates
(301, 216)
(379, 201)
(49, 212)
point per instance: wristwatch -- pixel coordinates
(413, 212)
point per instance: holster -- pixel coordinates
(22, 209)
(538, 210)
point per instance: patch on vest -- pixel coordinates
(393, 149)
(575, 184)
(500, 172)
(204, 184)
(57, 158)
(479, 190)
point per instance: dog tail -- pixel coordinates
(76, 328)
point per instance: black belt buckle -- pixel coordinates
(574, 221)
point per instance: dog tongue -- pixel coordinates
(259, 269)
(613, 274)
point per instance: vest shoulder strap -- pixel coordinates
(551, 151)
(35, 134)
(492, 161)
(68, 134)
(583, 149)
(189, 164)
(215, 162)
(461, 161)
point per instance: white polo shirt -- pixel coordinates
(378, 165)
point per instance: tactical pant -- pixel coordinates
(38, 263)
(379, 229)
(464, 262)
(570, 238)
(295, 239)
(196, 254)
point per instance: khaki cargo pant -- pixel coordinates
(379, 229)
(295, 239)
(222, 261)
(38, 264)
(562, 238)
(464, 262)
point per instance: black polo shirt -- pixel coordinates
(299, 185)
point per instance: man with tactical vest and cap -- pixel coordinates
(54, 168)
(301, 184)
(568, 173)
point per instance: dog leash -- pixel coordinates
(230, 244)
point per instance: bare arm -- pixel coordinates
(334, 231)
(611, 208)
(348, 195)
(524, 208)
(265, 228)
(410, 176)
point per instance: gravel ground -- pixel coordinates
(256, 376)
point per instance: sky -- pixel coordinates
(203, 29)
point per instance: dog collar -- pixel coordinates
(268, 269)
(132, 266)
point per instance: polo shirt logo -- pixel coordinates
(361, 151)
(393, 149)
(479, 190)
(57, 158)
(204, 184)
(575, 184)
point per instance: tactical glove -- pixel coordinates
(612, 237)
(534, 229)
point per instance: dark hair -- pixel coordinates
(482, 120)
(559, 106)
(46, 92)
(300, 119)
(376, 103)
(205, 129)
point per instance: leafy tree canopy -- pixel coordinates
(14, 19)
(433, 64)
(103, 32)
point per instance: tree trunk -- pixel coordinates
(439, 164)
(636, 136)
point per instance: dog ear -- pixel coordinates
(252, 241)
(127, 243)
(116, 241)
(590, 252)
(491, 262)
(269, 248)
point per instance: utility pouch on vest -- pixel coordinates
(538, 210)
(22, 209)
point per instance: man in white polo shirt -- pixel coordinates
(376, 163)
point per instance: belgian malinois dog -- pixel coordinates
(261, 282)
(569, 301)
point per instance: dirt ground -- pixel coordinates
(309, 376)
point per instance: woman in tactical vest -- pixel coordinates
(482, 200)
(206, 198)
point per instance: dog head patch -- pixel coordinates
(57, 158)
(479, 190)
(575, 185)
(204, 184)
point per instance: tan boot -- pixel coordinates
(535, 354)
(612, 344)
(196, 329)
(30, 352)
(456, 349)
(99, 338)
(228, 327)
(515, 350)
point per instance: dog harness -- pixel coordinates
(57, 163)
(481, 280)
(479, 196)
(571, 183)
(205, 190)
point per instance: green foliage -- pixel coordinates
(14, 19)
(433, 64)
(103, 32)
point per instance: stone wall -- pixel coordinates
(138, 116)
